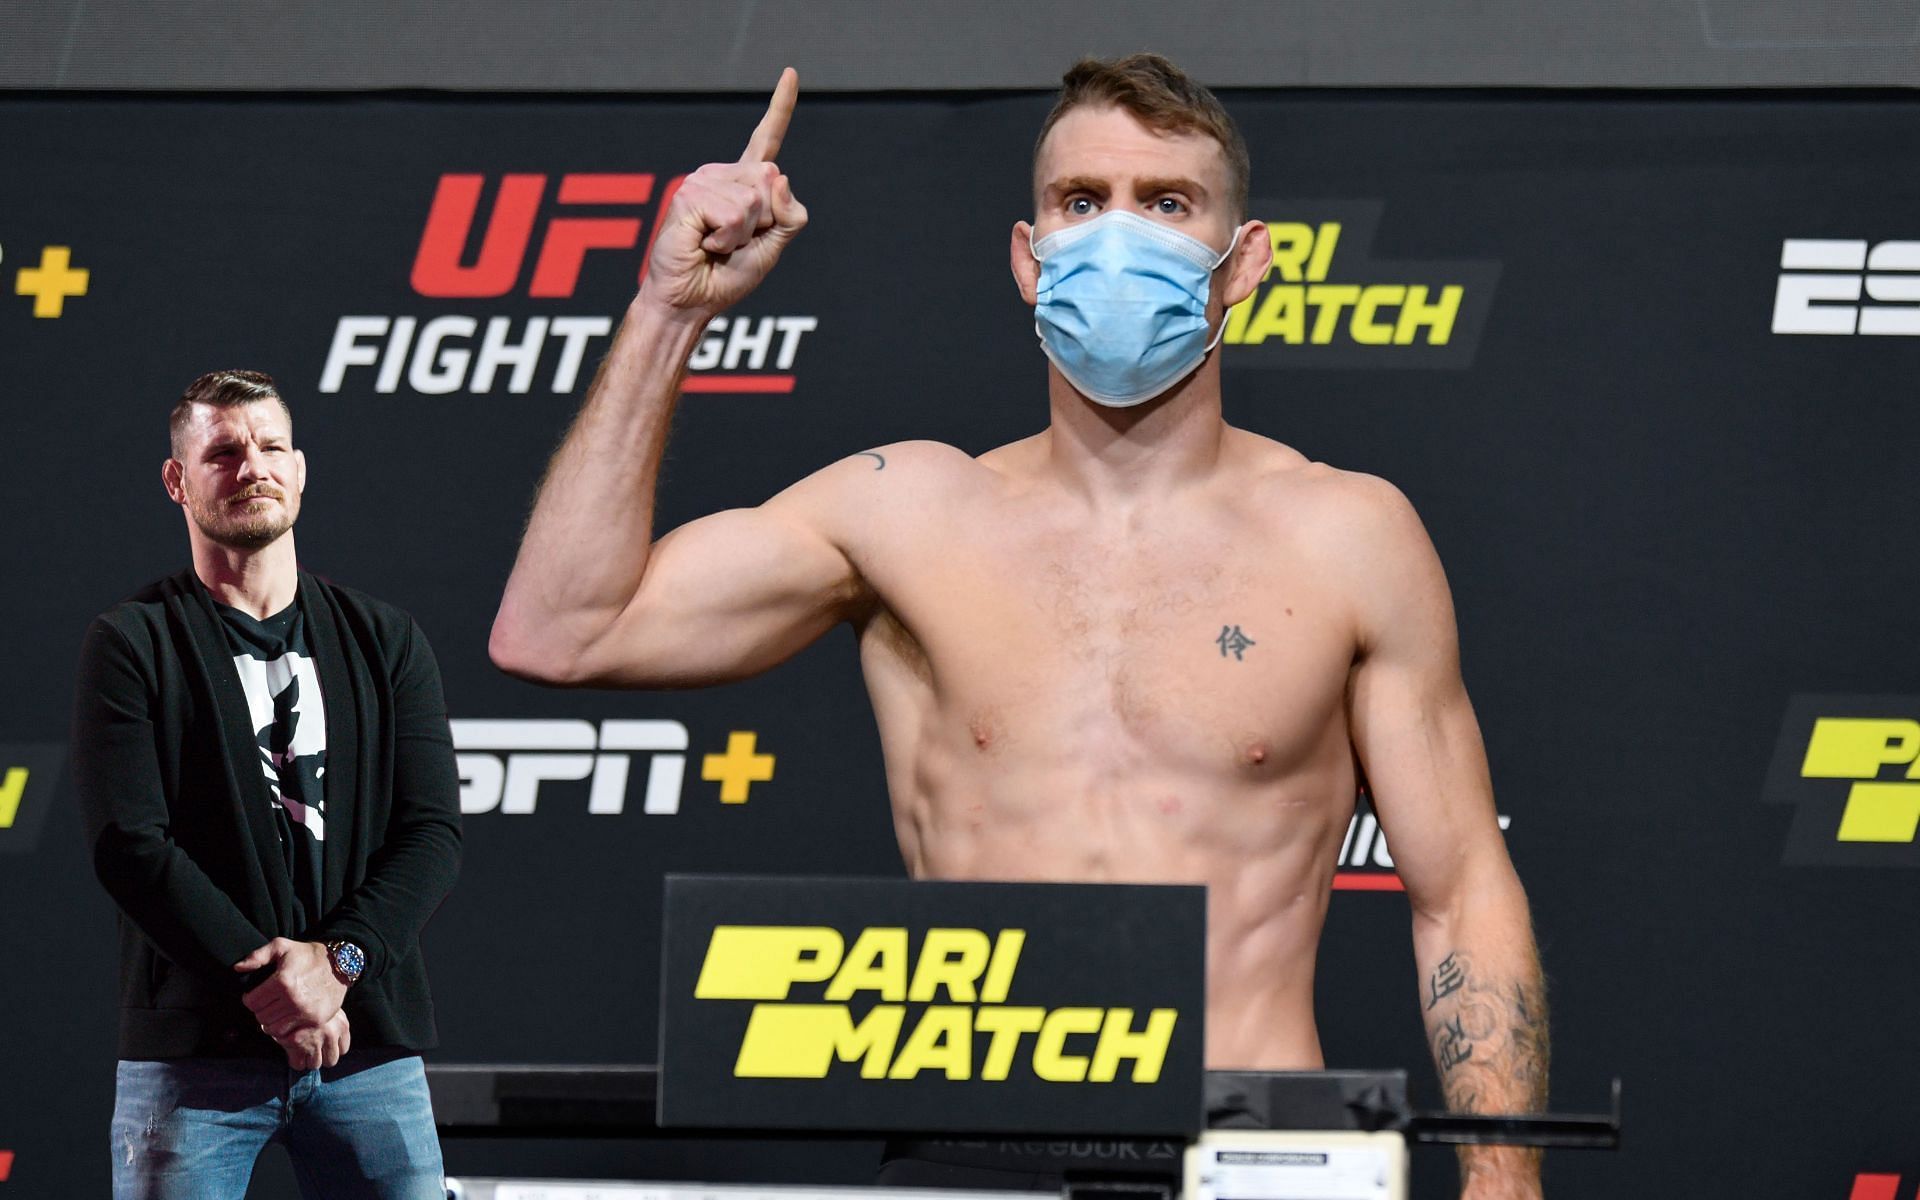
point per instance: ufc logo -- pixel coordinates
(510, 225)
(1875, 1187)
(503, 763)
(1828, 301)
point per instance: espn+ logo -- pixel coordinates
(1850, 766)
(502, 763)
(1822, 282)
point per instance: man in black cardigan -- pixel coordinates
(268, 791)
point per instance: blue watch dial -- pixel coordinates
(349, 960)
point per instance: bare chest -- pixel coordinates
(1208, 641)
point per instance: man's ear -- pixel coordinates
(300, 462)
(1248, 264)
(1026, 268)
(173, 477)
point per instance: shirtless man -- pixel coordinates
(1140, 645)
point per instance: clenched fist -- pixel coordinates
(729, 222)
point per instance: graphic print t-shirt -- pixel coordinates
(290, 735)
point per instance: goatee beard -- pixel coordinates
(243, 533)
(247, 537)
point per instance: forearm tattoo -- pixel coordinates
(1489, 1037)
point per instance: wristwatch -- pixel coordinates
(348, 961)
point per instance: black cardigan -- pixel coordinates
(180, 828)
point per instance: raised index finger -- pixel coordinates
(767, 136)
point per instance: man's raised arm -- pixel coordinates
(592, 598)
(1482, 997)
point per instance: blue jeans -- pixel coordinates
(192, 1127)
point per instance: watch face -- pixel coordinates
(349, 960)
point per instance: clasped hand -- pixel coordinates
(299, 1005)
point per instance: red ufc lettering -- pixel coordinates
(439, 271)
(569, 238)
(1874, 1187)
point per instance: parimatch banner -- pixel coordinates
(883, 1004)
(1645, 366)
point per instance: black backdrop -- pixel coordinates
(1663, 522)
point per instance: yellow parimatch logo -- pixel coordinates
(1298, 304)
(13, 785)
(943, 1010)
(1860, 749)
(1325, 301)
(1850, 768)
(29, 775)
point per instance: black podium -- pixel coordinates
(1055, 1027)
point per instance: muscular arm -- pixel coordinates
(1482, 996)
(592, 597)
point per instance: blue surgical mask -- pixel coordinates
(1121, 306)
